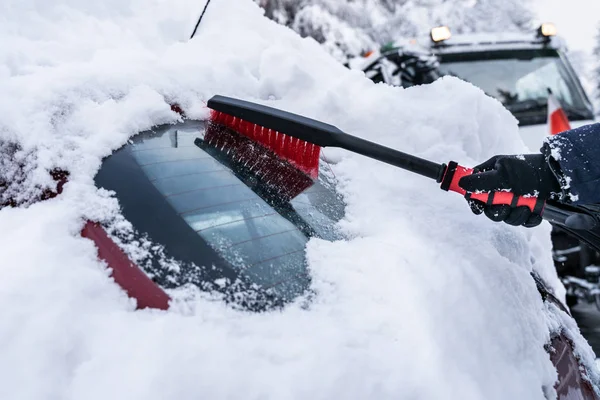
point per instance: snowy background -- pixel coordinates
(425, 301)
(579, 23)
(347, 28)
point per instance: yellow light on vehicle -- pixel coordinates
(547, 29)
(440, 34)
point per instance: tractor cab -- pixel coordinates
(519, 70)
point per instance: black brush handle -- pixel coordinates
(390, 156)
(322, 134)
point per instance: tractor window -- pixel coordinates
(521, 80)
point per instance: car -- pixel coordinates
(229, 235)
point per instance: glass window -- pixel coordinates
(262, 238)
(520, 80)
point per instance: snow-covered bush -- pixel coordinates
(349, 27)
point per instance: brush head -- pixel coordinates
(303, 155)
(281, 167)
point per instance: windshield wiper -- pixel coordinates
(574, 112)
(542, 105)
(578, 113)
(527, 105)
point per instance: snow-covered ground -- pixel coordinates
(426, 301)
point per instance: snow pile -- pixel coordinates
(425, 302)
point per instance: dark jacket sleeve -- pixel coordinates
(575, 158)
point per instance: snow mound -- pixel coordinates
(425, 301)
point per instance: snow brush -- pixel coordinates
(298, 140)
(280, 166)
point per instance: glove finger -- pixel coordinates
(489, 181)
(476, 206)
(518, 216)
(497, 213)
(533, 220)
(488, 165)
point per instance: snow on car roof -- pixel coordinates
(424, 301)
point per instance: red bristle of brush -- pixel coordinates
(283, 164)
(303, 155)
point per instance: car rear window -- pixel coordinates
(256, 236)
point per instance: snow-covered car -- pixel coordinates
(205, 210)
(207, 222)
(387, 314)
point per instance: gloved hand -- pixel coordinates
(528, 174)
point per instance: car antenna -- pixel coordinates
(200, 19)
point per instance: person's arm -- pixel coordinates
(567, 169)
(574, 156)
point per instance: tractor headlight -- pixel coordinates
(440, 34)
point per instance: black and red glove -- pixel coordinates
(523, 175)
